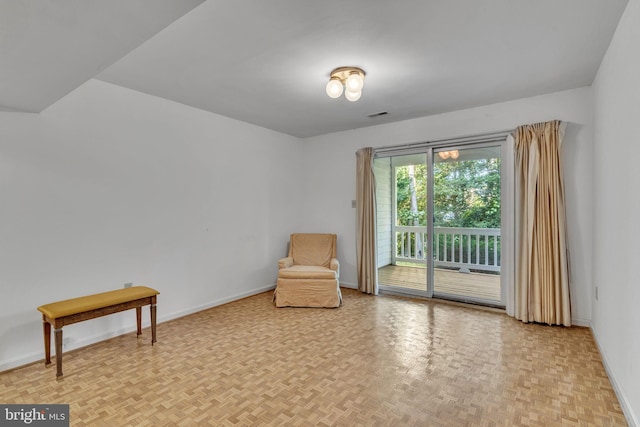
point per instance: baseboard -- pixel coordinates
(348, 285)
(18, 362)
(581, 322)
(38, 356)
(215, 303)
(631, 417)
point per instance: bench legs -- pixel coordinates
(58, 334)
(47, 346)
(152, 310)
(47, 342)
(153, 322)
(139, 320)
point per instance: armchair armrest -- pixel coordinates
(285, 263)
(335, 266)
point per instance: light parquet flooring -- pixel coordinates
(376, 361)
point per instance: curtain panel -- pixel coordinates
(542, 274)
(366, 222)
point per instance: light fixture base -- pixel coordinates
(342, 73)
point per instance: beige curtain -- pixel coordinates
(542, 275)
(366, 222)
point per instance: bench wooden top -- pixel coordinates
(92, 302)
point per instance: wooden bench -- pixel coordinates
(76, 310)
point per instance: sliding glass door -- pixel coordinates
(403, 245)
(457, 253)
(467, 224)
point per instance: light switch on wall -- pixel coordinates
(353, 203)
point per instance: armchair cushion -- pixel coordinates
(307, 272)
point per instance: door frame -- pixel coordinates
(505, 141)
(505, 233)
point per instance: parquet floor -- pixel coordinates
(376, 361)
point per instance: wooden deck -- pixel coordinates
(470, 285)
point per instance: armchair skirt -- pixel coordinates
(308, 293)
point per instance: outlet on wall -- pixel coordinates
(596, 293)
(128, 285)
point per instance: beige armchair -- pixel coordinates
(308, 277)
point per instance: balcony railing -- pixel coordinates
(463, 248)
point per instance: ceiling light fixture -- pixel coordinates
(347, 79)
(444, 155)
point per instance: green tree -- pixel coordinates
(411, 183)
(466, 194)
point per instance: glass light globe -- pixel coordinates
(354, 82)
(352, 96)
(444, 155)
(454, 154)
(334, 88)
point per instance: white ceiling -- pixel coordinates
(267, 62)
(50, 47)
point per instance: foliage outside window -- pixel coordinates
(466, 194)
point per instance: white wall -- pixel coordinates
(330, 167)
(110, 186)
(616, 223)
(384, 214)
